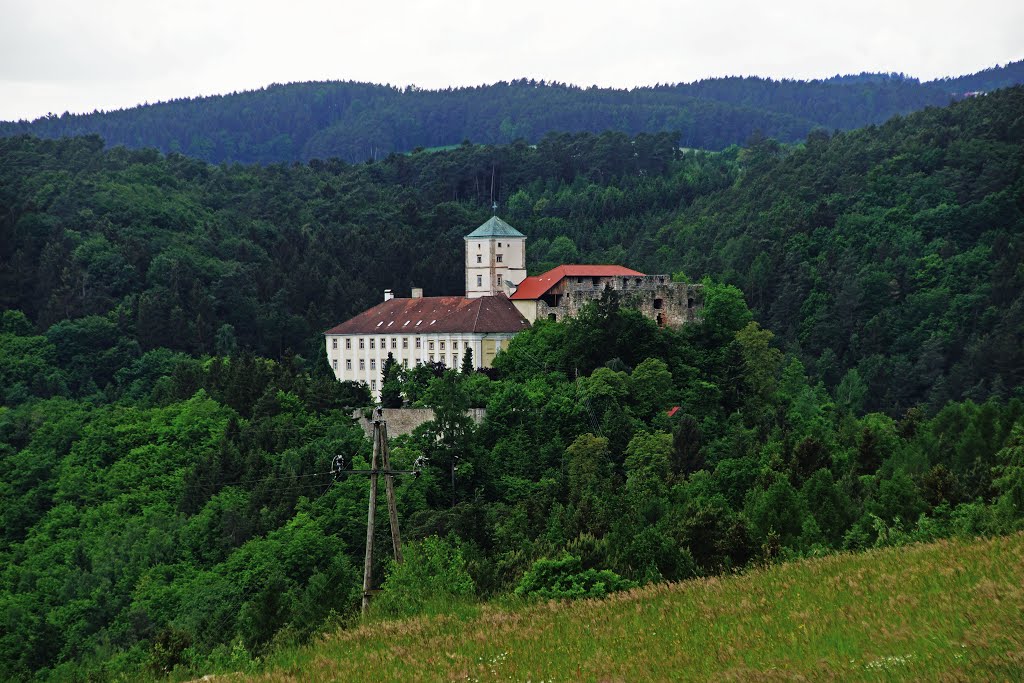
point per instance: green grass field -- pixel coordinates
(952, 610)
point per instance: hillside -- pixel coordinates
(168, 501)
(891, 251)
(948, 610)
(359, 121)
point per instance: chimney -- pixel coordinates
(388, 296)
(417, 292)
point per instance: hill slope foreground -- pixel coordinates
(947, 609)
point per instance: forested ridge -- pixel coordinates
(357, 121)
(893, 250)
(168, 421)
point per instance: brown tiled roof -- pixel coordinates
(436, 315)
(535, 286)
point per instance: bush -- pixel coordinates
(432, 580)
(565, 578)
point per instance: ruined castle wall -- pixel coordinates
(670, 304)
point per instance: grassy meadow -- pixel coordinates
(951, 610)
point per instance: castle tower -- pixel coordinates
(495, 256)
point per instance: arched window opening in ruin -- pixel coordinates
(657, 303)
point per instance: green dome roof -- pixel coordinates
(495, 227)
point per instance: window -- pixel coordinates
(498, 257)
(334, 343)
(431, 357)
(348, 363)
(405, 342)
(657, 303)
(373, 363)
(442, 346)
(362, 343)
(479, 258)
(497, 280)
(499, 244)
(394, 342)
(430, 345)
(348, 344)
(372, 342)
(383, 343)
(335, 363)
(455, 346)
(362, 363)
(418, 343)
(479, 280)
(373, 385)
(405, 362)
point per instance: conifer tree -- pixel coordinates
(391, 383)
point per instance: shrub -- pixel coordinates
(432, 580)
(565, 578)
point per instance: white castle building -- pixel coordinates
(500, 302)
(439, 329)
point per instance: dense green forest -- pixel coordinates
(894, 250)
(168, 423)
(188, 518)
(358, 121)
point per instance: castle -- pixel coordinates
(500, 301)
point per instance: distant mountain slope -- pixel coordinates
(987, 80)
(357, 121)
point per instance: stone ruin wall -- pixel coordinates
(670, 304)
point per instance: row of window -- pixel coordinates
(394, 343)
(373, 362)
(480, 259)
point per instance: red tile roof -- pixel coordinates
(535, 286)
(436, 315)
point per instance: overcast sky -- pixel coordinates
(81, 55)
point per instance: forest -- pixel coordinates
(168, 421)
(358, 121)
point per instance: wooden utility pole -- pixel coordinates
(389, 487)
(380, 463)
(370, 518)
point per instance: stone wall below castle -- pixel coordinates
(405, 420)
